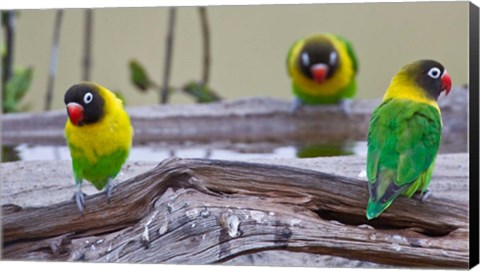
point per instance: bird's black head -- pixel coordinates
(318, 59)
(84, 104)
(431, 76)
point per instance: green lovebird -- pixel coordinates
(322, 68)
(99, 136)
(404, 135)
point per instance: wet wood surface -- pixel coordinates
(256, 119)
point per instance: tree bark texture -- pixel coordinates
(201, 211)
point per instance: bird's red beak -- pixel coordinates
(446, 82)
(75, 113)
(319, 72)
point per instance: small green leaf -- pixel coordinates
(16, 88)
(9, 106)
(19, 83)
(201, 93)
(139, 76)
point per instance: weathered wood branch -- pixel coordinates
(208, 211)
(245, 120)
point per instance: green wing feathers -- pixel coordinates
(403, 142)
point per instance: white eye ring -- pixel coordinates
(88, 98)
(305, 59)
(434, 72)
(333, 58)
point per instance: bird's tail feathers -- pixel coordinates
(385, 192)
(375, 208)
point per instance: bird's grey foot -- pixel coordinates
(297, 105)
(109, 189)
(79, 197)
(425, 195)
(346, 106)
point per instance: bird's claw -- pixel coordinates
(79, 198)
(109, 189)
(425, 195)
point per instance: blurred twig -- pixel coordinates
(200, 91)
(206, 45)
(8, 22)
(52, 71)
(168, 55)
(87, 45)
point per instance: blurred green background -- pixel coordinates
(248, 45)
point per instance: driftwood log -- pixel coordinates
(209, 211)
(246, 120)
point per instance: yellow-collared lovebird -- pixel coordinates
(322, 68)
(404, 135)
(99, 135)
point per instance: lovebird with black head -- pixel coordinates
(99, 136)
(404, 135)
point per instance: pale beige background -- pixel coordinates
(249, 45)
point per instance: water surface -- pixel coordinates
(157, 153)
